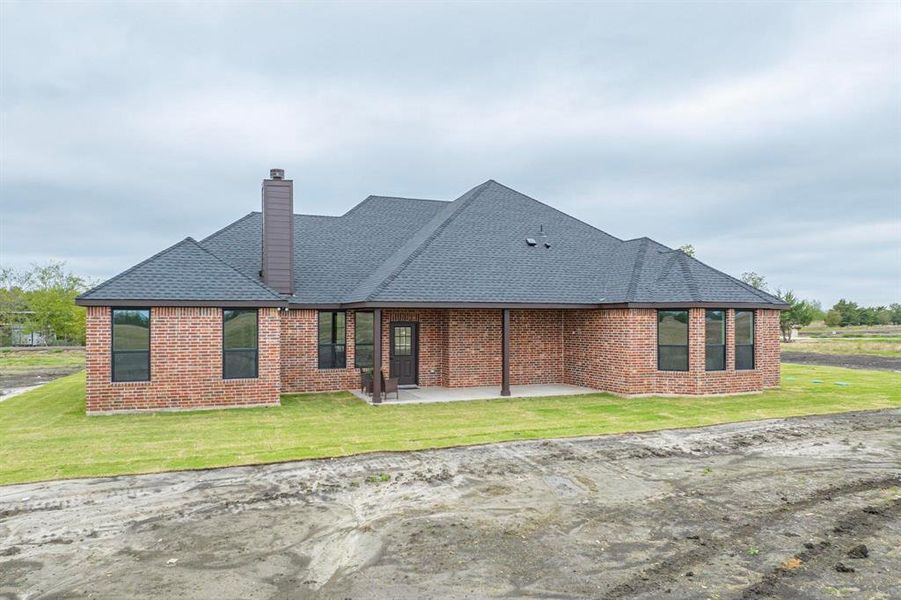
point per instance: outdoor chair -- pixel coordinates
(389, 386)
(366, 382)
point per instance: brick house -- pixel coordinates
(493, 288)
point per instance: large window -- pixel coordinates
(332, 340)
(672, 340)
(131, 344)
(715, 340)
(239, 344)
(363, 340)
(744, 339)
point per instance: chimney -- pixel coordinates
(278, 232)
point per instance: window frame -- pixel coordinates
(112, 343)
(357, 343)
(753, 343)
(687, 344)
(707, 345)
(334, 337)
(256, 358)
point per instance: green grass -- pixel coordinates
(25, 360)
(46, 435)
(874, 346)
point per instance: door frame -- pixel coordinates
(414, 350)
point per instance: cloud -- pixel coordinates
(766, 135)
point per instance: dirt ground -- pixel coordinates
(763, 509)
(851, 361)
(17, 376)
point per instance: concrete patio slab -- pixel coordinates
(443, 394)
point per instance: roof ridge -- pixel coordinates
(414, 246)
(245, 276)
(130, 269)
(759, 293)
(569, 216)
(370, 197)
(229, 226)
(690, 280)
(637, 268)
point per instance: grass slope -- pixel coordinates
(46, 435)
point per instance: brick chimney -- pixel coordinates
(278, 232)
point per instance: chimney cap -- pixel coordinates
(276, 173)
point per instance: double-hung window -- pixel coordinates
(672, 340)
(363, 322)
(744, 339)
(715, 340)
(332, 341)
(240, 350)
(131, 344)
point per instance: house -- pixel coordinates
(493, 288)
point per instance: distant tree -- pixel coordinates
(688, 249)
(819, 313)
(849, 312)
(895, 311)
(883, 316)
(833, 318)
(799, 313)
(50, 296)
(755, 280)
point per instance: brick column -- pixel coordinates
(696, 340)
(730, 339)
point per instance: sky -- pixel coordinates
(767, 135)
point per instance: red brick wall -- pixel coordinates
(185, 363)
(616, 350)
(613, 350)
(536, 346)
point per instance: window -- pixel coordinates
(363, 322)
(715, 336)
(131, 344)
(744, 339)
(331, 340)
(672, 340)
(239, 344)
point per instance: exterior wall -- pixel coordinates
(616, 350)
(300, 355)
(185, 363)
(536, 346)
(613, 350)
(433, 342)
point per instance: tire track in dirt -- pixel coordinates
(657, 577)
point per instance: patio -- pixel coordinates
(433, 394)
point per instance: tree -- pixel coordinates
(895, 310)
(688, 249)
(833, 318)
(799, 313)
(755, 280)
(848, 311)
(50, 296)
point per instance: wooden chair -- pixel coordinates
(389, 386)
(366, 381)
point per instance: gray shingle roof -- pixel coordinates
(184, 272)
(473, 249)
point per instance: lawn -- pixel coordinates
(46, 435)
(875, 346)
(25, 360)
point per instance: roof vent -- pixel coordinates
(547, 244)
(531, 241)
(276, 173)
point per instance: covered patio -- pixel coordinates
(428, 395)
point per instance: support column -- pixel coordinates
(505, 354)
(377, 356)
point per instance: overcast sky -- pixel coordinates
(766, 135)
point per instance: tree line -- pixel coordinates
(804, 312)
(41, 299)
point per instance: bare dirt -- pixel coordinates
(850, 361)
(770, 509)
